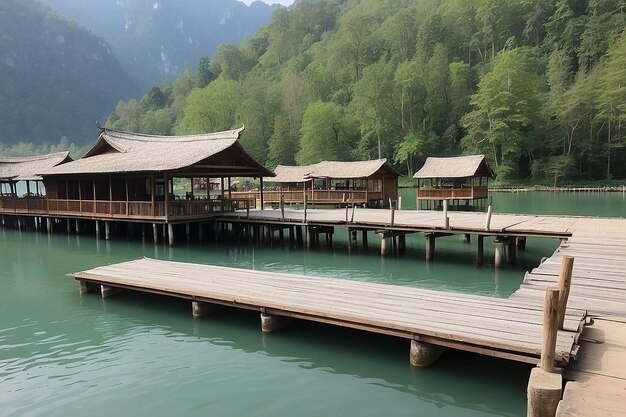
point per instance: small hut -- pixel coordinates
(21, 188)
(462, 180)
(372, 183)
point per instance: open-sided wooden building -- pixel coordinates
(462, 180)
(371, 182)
(136, 177)
(21, 188)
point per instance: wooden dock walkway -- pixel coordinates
(414, 221)
(497, 327)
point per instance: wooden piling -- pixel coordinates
(77, 226)
(544, 385)
(565, 279)
(498, 252)
(446, 219)
(550, 327)
(402, 244)
(521, 243)
(271, 323)
(107, 230)
(97, 228)
(155, 234)
(480, 257)
(364, 239)
(430, 246)
(383, 245)
(49, 224)
(188, 231)
(170, 234)
(201, 309)
(488, 221)
(424, 354)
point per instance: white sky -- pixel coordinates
(283, 2)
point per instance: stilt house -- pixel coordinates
(462, 180)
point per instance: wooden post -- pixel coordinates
(364, 239)
(424, 354)
(488, 222)
(499, 250)
(383, 245)
(402, 244)
(550, 328)
(170, 233)
(430, 246)
(521, 243)
(107, 230)
(349, 240)
(466, 238)
(510, 251)
(77, 221)
(565, 279)
(188, 231)
(480, 258)
(282, 206)
(353, 210)
(305, 204)
(271, 323)
(201, 309)
(49, 224)
(446, 219)
(393, 217)
(261, 191)
(155, 233)
(97, 229)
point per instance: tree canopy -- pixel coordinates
(538, 86)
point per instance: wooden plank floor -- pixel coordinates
(416, 220)
(599, 275)
(597, 384)
(492, 326)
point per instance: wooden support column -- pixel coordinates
(299, 233)
(97, 229)
(155, 233)
(424, 354)
(77, 226)
(271, 323)
(107, 230)
(201, 309)
(480, 257)
(85, 287)
(49, 224)
(261, 191)
(68, 226)
(188, 231)
(108, 291)
(509, 251)
(521, 243)
(364, 238)
(350, 240)
(565, 280)
(402, 244)
(499, 251)
(383, 245)
(430, 246)
(466, 238)
(170, 233)
(545, 385)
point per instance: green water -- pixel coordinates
(134, 355)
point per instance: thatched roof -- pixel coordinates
(455, 167)
(26, 168)
(120, 152)
(331, 170)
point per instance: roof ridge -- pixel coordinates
(30, 158)
(183, 138)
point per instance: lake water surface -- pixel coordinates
(135, 355)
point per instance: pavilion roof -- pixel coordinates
(455, 167)
(26, 168)
(120, 152)
(331, 170)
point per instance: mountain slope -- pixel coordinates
(55, 78)
(153, 39)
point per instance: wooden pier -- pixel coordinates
(491, 326)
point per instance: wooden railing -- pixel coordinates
(452, 193)
(30, 205)
(313, 196)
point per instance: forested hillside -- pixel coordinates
(153, 39)
(539, 86)
(56, 79)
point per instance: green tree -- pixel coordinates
(327, 133)
(505, 108)
(283, 146)
(373, 102)
(211, 109)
